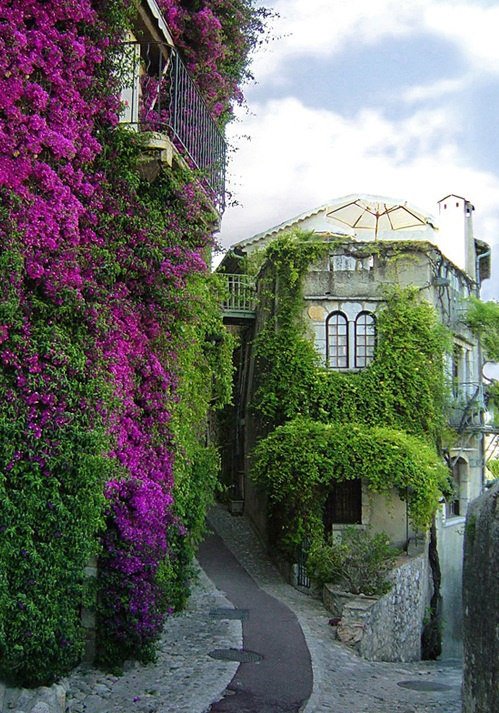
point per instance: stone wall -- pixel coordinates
(481, 605)
(34, 700)
(388, 628)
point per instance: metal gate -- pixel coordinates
(303, 580)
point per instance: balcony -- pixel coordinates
(160, 97)
(467, 405)
(240, 300)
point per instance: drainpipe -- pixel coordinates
(480, 360)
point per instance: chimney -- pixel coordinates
(455, 235)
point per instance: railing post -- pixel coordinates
(174, 106)
(240, 294)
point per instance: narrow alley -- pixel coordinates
(187, 678)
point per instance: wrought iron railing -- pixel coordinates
(158, 94)
(240, 295)
(467, 403)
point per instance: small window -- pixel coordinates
(344, 504)
(365, 339)
(342, 263)
(453, 503)
(337, 341)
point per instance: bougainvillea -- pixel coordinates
(215, 37)
(94, 262)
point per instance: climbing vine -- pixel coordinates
(382, 423)
(483, 320)
(298, 462)
(287, 362)
(98, 273)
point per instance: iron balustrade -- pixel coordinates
(467, 404)
(159, 95)
(241, 296)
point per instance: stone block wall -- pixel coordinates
(388, 628)
(35, 700)
(481, 604)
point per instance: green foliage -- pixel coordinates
(381, 423)
(50, 508)
(286, 360)
(493, 466)
(492, 396)
(297, 462)
(483, 320)
(359, 562)
(290, 257)
(204, 369)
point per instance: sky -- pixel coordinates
(398, 98)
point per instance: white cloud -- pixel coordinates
(473, 27)
(298, 158)
(323, 28)
(438, 89)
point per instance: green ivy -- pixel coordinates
(493, 466)
(483, 320)
(287, 362)
(383, 423)
(298, 462)
(204, 368)
(49, 524)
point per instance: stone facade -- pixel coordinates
(350, 282)
(386, 628)
(481, 605)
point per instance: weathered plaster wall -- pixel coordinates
(346, 277)
(481, 605)
(450, 535)
(450, 540)
(388, 513)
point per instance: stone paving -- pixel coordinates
(343, 683)
(185, 679)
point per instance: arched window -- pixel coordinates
(365, 339)
(337, 341)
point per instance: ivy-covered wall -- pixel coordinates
(316, 425)
(107, 321)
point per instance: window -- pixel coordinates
(453, 503)
(461, 372)
(344, 329)
(337, 352)
(365, 339)
(344, 504)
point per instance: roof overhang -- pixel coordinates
(260, 239)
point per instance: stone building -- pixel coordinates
(383, 242)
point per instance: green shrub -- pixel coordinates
(493, 466)
(359, 563)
